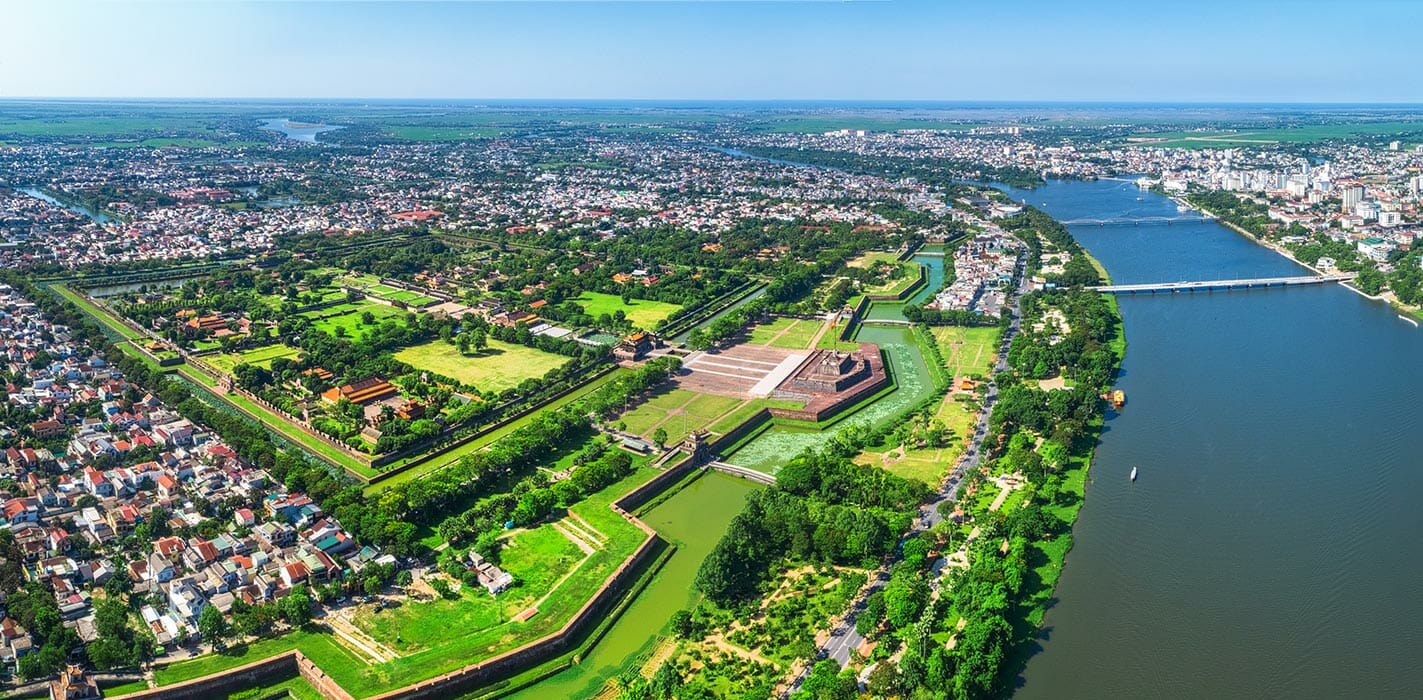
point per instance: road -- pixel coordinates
(843, 638)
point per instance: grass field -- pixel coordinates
(909, 276)
(967, 351)
(326, 652)
(348, 316)
(537, 558)
(501, 366)
(109, 322)
(790, 333)
(443, 133)
(872, 258)
(679, 412)
(642, 312)
(1287, 135)
(820, 125)
(404, 296)
(262, 357)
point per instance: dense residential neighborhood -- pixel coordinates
(110, 493)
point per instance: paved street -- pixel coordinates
(844, 639)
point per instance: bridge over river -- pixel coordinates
(1139, 220)
(1223, 285)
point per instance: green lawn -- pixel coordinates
(642, 313)
(500, 366)
(262, 357)
(401, 295)
(789, 333)
(116, 690)
(99, 315)
(311, 643)
(967, 351)
(874, 258)
(537, 558)
(679, 412)
(897, 283)
(348, 316)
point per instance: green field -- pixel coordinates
(822, 124)
(679, 412)
(790, 333)
(348, 316)
(642, 313)
(443, 133)
(404, 296)
(967, 351)
(109, 322)
(501, 366)
(537, 558)
(873, 258)
(1288, 135)
(317, 645)
(262, 357)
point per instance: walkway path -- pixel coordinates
(844, 638)
(826, 327)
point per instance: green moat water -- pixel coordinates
(693, 519)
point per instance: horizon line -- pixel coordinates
(824, 100)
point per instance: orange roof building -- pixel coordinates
(362, 392)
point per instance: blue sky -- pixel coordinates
(1146, 50)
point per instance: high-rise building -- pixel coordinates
(1352, 195)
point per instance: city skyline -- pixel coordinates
(1247, 52)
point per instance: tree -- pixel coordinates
(479, 339)
(904, 597)
(665, 681)
(212, 626)
(296, 607)
(883, 680)
(1054, 453)
(682, 623)
(659, 436)
(826, 682)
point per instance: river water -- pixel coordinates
(297, 131)
(37, 193)
(1264, 550)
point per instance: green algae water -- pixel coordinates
(693, 519)
(772, 448)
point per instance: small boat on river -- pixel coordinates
(1133, 473)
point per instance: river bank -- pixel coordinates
(1215, 557)
(1289, 255)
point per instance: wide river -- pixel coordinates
(1264, 550)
